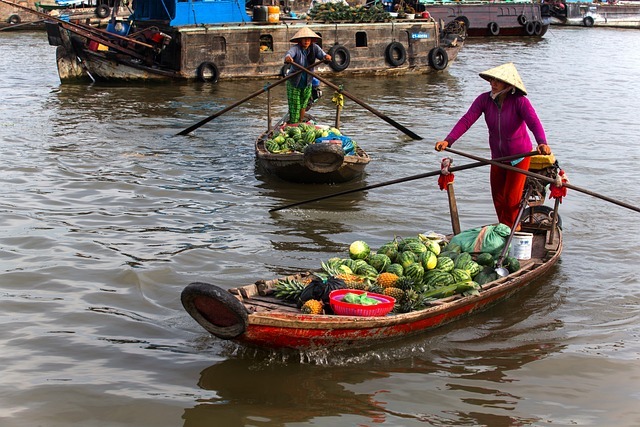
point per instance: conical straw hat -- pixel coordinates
(506, 73)
(305, 32)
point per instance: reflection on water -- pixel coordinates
(245, 394)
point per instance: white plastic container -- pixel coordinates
(521, 245)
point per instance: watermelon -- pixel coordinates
(462, 259)
(359, 250)
(453, 247)
(512, 264)
(441, 279)
(415, 247)
(433, 246)
(367, 271)
(485, 259)
(407, 240)
(487, 275)
(395, 269)
(428, 260)
(379, 261)
(407, 258)
(309, 136)
(460, 275)
(351, 263)
(414, 271)
(444, 263)
(389, 249)
(272, 146)
(472, 268)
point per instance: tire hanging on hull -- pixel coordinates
(438, 58)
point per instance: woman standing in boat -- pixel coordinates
(508, 113)
(305, 52)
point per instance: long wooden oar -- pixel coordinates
(498, 162)
(367, 107)
(235, 104)
(399, 180)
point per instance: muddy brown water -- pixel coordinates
(105, 216)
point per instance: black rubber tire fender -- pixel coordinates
(537, 28)
(438, 58)
(494, 28)
(530, 28)
(102, 11)
(14, 19)
(215, 309)
(323, 157)
(396, 54)
(208, 72)
(587, 21)
(522, 20)
(340, 58)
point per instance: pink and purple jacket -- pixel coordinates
(507, 125)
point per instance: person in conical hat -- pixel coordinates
(509, 116)
(305, 52)
(304, 32)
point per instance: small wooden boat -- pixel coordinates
(251, 314)
(319, 163)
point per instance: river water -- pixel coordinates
(106, 215)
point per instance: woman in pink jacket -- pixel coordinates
(508, 113)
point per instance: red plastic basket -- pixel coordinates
(347, 309)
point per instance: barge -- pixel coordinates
(165, 40)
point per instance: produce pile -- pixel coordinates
(340, 12)
(415, 271)
(289, 139)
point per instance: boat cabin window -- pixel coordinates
(218, 45)
(266, 43)
(361, 39)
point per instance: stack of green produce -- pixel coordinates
(426, 269)
(415, 270)
(295, 138)
(340, 12)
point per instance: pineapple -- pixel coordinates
(387, 280)
(312, 306)
(344, 273)
(289, 289)
(405, 283)
(374, 288)
(412, 301)
(396, 293)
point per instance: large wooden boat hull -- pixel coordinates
(250, 315)
(496, 18)
(596, 14)
(253, 51)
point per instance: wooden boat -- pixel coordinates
(319, 163)
(587, 14)
(251, 314)
(166, 40)
(490, 19)
(30, 15)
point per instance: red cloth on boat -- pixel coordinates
(445, 176)
(558, 190)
